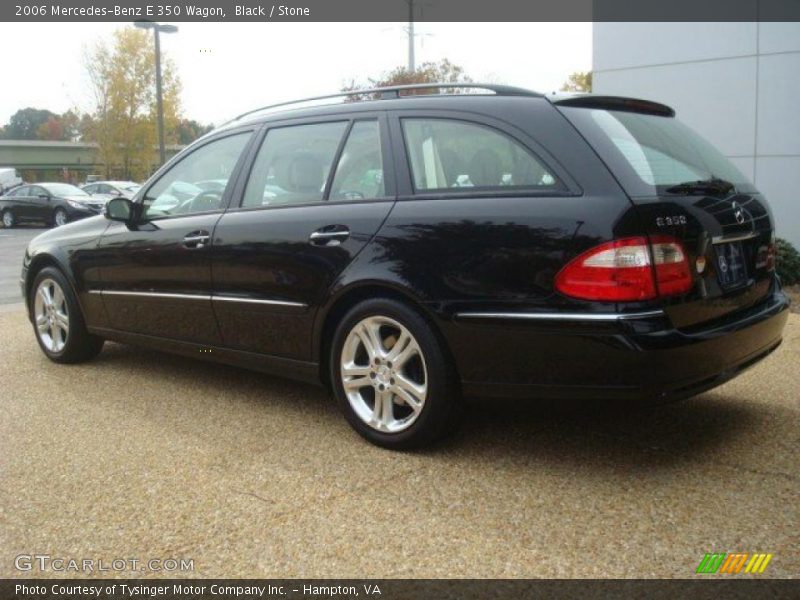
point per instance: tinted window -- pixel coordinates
(90, 189)
(453, 154)
(359, 173)
(292, 165)
(183, 189)
(649, 153)
(21, 191)
(61, 189)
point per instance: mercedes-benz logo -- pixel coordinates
(738, 213)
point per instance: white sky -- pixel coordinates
(227, 68)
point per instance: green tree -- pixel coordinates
(429, 72)
(579, 81)
(26, 122)
(189, 130)
(123, 118)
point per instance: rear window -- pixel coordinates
(649, 153)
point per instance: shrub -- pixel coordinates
(788, 262)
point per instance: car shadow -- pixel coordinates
(602, 434)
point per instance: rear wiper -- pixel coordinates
(713, 185)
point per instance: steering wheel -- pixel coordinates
(204, 201)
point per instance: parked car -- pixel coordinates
(409, 250)
(51, 203)
(112, 189)
(9, 179)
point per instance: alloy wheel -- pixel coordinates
(383, 374)
(51, 315)
(61, 218)
(8, 219)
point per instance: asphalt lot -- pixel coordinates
(141, 454)
(12, 249)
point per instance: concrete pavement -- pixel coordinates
(141, 454)
(12, 249)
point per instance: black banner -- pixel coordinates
(394, 589)
(399, 10)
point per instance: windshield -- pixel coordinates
(63, 189)
(650, 154)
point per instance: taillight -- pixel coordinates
(622, 271)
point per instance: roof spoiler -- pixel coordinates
(634, 105)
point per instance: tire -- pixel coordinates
(419, 396)
(60, 217)
(8, 219)
(58, 324)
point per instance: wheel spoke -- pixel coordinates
(58, 297)
(354, 370)
(383, 411)
(410, 392)
(44, 292)
(410, 350)
(42, 323)
(62, 321)
(357, 383)
(402, 342)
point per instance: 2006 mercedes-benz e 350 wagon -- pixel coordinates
(409, 249)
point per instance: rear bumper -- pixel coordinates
(625, 359)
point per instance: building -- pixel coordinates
(737, 84)
(39, 160)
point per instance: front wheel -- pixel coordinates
(58, 322)
(8, 219)
(391, 376)
(60, 217)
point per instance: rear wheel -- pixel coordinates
(58, 322)
(60, 217)
(8, 219)
(391, 376)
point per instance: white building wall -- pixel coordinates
(737, 84)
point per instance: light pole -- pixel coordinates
(158, 29)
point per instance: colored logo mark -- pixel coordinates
(721, 562)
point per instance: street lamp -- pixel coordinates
(158, 29)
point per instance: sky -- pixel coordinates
(228, 68)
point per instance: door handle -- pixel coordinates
(197, 240)
(330, 235)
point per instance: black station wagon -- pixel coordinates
(410, 249)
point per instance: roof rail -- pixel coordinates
(391, 92)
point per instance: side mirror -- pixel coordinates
(119, 209)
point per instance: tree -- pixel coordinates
(189, 130)
(123, 120)
(25, 123)
(579, 81)
(430, 72)
(41, 124)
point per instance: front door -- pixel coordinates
(156, 273)
(316, 194)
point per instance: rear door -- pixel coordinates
(685, 189)
(316, 193)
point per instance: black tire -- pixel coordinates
(80, 345)
(8, 216)
(60, 211)
(441, 411)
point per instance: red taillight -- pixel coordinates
(622, 271)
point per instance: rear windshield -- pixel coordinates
(649, 154)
